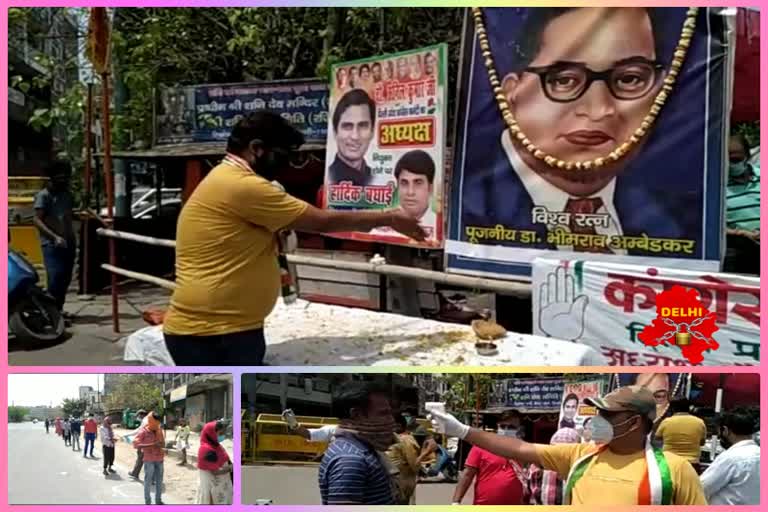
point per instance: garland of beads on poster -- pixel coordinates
(681, 51)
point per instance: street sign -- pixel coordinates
(179, 393)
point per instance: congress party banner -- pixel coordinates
(590, 130)
(207, 112)
(573, 410)
(386, 139)
(613, 307)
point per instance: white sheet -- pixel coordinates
(310, 334)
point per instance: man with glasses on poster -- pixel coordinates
(579, 102)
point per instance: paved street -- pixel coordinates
(42, 471)
(91, 341)
(297, 485)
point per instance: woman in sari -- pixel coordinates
(215, 467)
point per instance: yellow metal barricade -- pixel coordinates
(24, 237)
(274, 442)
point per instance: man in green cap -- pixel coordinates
(622, 468)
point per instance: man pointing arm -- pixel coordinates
(623, 469)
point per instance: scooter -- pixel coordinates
(33, 315)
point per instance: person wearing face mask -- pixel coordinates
(622, 469)
(734, 477)
(215, 466)
(227, 272)
(53, 219)
(498, 480)
(151, 441)
(742, 209)
(354, 469)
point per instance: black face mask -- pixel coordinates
(271, 163)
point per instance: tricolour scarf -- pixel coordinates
(655, 487)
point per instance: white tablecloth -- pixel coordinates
(310, 334)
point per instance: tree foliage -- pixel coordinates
(136, 392)
(76, 407)
(167, 46)
(472, 391)
(183, 46)
(17, 413)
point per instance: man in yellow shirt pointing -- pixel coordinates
(622, 468)
(227, 273)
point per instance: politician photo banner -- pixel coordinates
(590, 130)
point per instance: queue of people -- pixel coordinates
(214, 464)
(622, 456)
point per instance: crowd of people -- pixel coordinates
(629, 460)
(213, 462)
(621, 456)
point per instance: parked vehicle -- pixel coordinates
(144, 204)
(33, 314)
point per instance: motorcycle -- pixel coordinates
(33, 314)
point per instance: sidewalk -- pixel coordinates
(91, 340)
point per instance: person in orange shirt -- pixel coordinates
(90, 429)
(151, 441)
(227, 273)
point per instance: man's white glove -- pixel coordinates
(447, 424)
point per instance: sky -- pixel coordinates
(48, 389)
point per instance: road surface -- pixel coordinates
(297, 485)
(43, 471)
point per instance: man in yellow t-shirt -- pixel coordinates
(617, 471)
(683, 433)
(227, 273)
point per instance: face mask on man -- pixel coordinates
(271, 162)
(737, 169)
(508, 432)
(603, 431)
(221, 438)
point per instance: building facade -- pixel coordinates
(197, 397)
(35, 37)
(310, 394)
